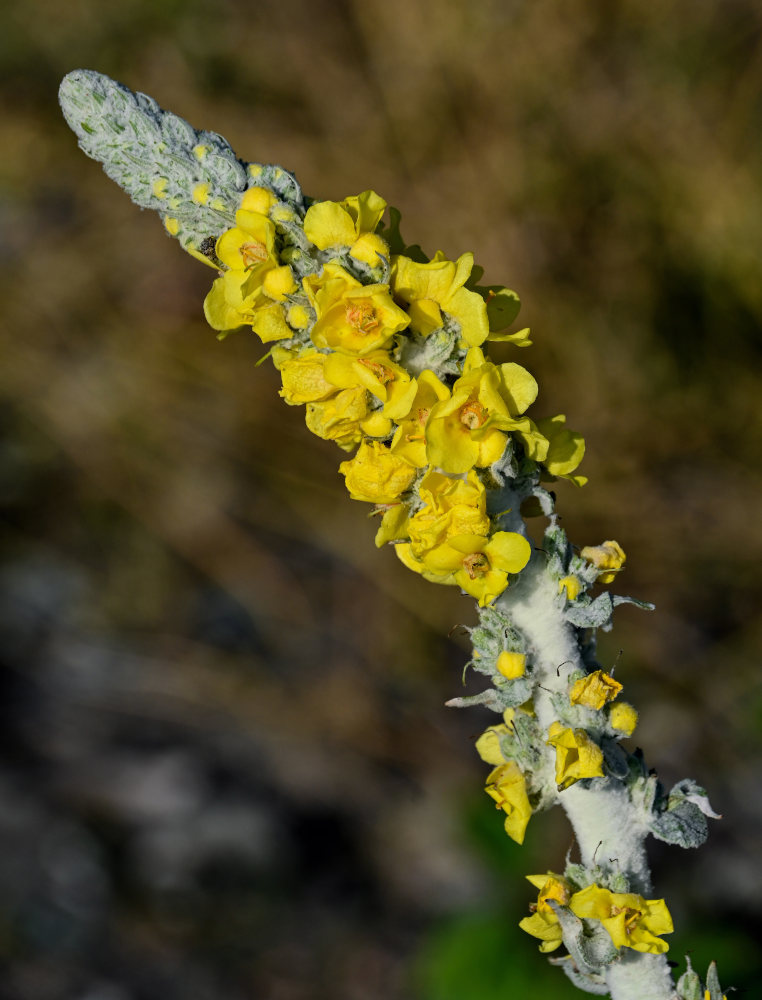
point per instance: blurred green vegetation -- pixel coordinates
(227, 771)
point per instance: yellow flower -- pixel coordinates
(577, 756)
(623, 717)
(341, 418)
(377, 372)
(512, 665)
(351, 318)
(304, 379)
(543, 923)
(375, 475)
(350, 223)
(468, 429)
(571, 586)
(608, 559)
(393, 525)
(632, 922)
(439, 286)
(507, 787)
(258, 199)
(451, 507)
(248, 251)
(488, 744)
(476, 564)
(566, 448)
(594, 690)
(409, 441)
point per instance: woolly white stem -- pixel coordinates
(606, 826)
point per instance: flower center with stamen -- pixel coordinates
(362, 316)
(421, 417)
(476, 564)
(381, 372)
(253, 253)
(631, 919)
(473, 414)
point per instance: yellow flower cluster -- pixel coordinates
(630, 920)
(339, 310)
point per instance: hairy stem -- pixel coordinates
(607, 828)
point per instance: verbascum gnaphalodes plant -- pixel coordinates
(387, 351)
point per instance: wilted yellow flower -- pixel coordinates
(632, 922)
(543, 923)
(304, 378)
(468, 429)
(409, 439)
(451, 506)
(436, 287)
(566, 448)
(340, 418)
(623, 717)
(608, 559)
(507, 787)
(577, 756)
(375, 474)
(594, 690)
(351, 317)
(349, 223)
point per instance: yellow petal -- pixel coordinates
(518, 388)
(369, 248)
(488, 745)
(270, 324)
(508, 551)
(218, 312)
(327, 224)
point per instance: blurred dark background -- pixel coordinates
(227, 770)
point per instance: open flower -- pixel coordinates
(349, 224)
(577, 756)
(506, 785)
(351, 318)
(438, 287)
(632, 921)
(478, 565)
(248, 252)
(469, 429)
(387, 381)
(409, 439)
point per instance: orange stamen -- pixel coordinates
(253, 253)
(362, 316)
(473, 414)
(476, 564)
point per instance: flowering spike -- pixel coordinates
(385, 349)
